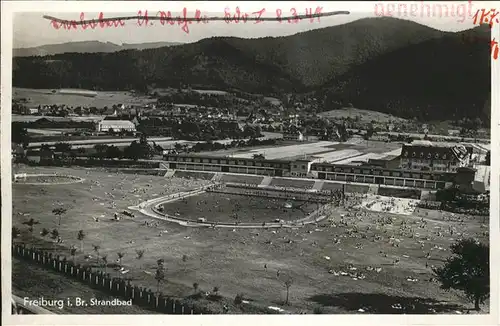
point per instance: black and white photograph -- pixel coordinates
(250, 158)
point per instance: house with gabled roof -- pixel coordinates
(435, 157)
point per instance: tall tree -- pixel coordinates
(96, 250)
(15, 232)
(72, 252)
(113, 152)
(159, 276)
(104, 259)
(19, 135)
(467, 270)
(101, 149)
(54, 235)
(139, 150)
(59, 212)
(45, 147)
(31, 224)
(81, 236)
(62, 147)
(140, 254)
(120, 257)
(44, 232)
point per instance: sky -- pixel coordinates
(31, 29)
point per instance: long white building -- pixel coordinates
(115, 125)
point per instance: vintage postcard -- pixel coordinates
(250, 158)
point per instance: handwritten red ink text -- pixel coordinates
(293, 17)
(235, 18)
(258, 14)
(166, 18)
(101, 22)
(493, 44)
(486, 17)
(494, 48)
(310, 14)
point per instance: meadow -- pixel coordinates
(35, 97)
(356, 261)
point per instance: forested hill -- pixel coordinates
(440, 79)
(292, 63)
(383, 64)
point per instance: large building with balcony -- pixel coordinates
(306, 168)
(228, 164)
(383, 176)
(429, 157)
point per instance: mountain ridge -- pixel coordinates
(336, 62)
(86, 47)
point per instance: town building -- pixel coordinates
(228, 164)
(230, 125)
(294, 136)
(300, 168)
(40, 156)
(310, 168)
(115, 125)
(383, 176)
(426, 156)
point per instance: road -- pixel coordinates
(412, 134)
(161, 141)
(99, 141)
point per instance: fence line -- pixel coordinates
(105, 282)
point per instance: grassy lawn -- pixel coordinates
(33, 281)
(35, 97)
(364, 115)
(233, 260)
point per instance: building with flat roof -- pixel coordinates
(115, 125)
(427, 156)
(309, 167)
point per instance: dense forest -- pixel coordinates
(382, 64)
(438, 79)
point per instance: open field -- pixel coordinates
(30, 118)
(109, 141)
(165, 142)
(210, 92)
(446, 137)
(272, 153)
(37, 97)
(48, 132)
(364, 115)
(47, 179)
(328, 151)
(272, 100)
(219, 207)
(357, 259)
